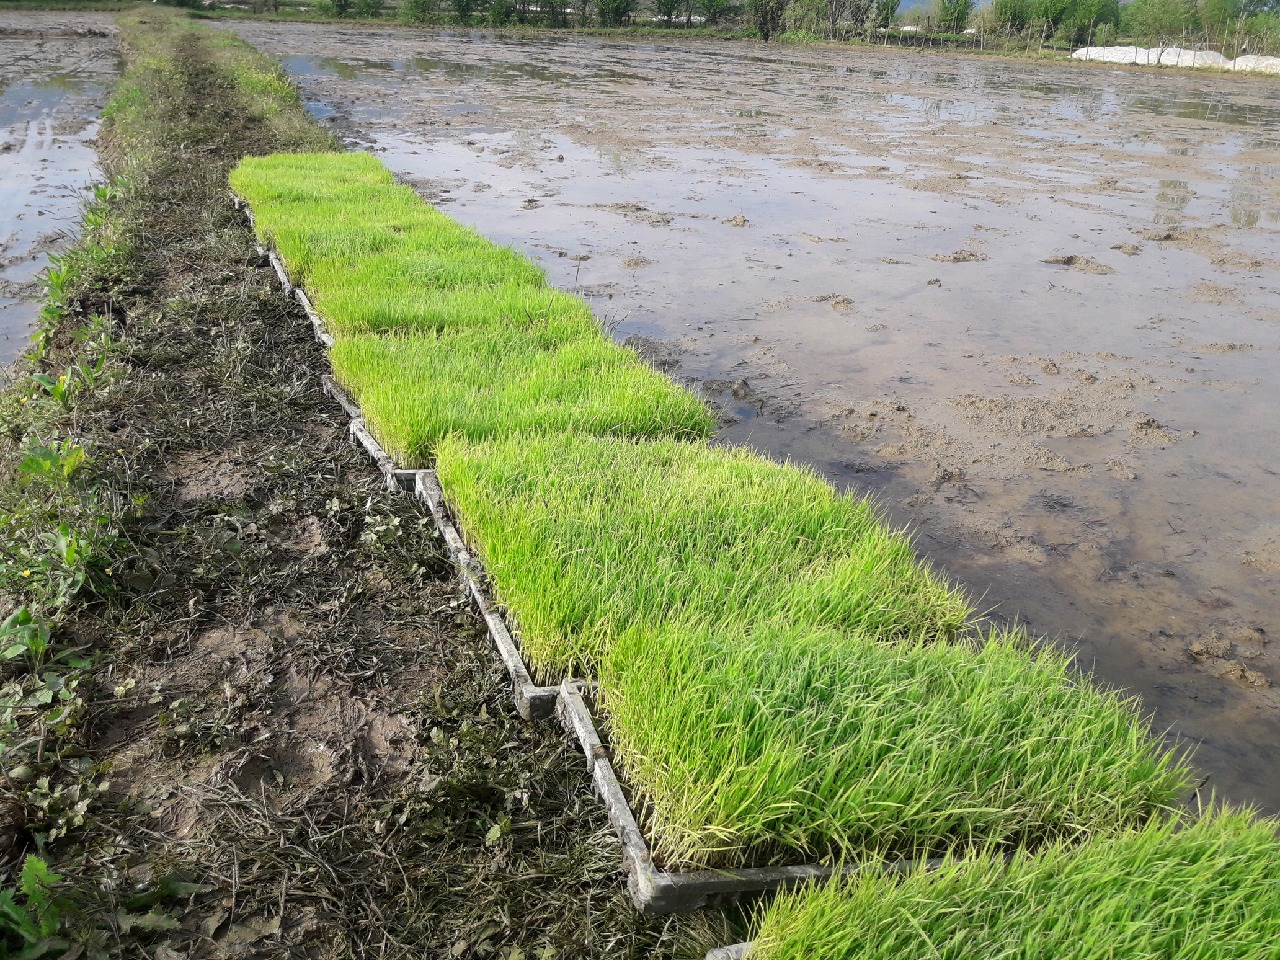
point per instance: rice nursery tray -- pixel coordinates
(657, 891)
(533, 702)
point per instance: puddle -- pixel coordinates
(1034, 309)
(55, 73)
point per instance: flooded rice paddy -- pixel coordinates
(1033, 308)
(55, 72)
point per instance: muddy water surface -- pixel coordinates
(55, 71)
(1034, 308)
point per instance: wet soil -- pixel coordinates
(1033, 308)
(55, 71)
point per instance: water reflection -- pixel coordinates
(51, 90)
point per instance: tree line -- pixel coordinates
(1234, 26)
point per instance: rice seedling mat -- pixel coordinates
(657, 891)
(533, 702)
(317, 325)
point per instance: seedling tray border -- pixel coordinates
(657, 891)
(533, 702)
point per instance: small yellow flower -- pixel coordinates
(26, 573)
(108, 571)
(22, 400)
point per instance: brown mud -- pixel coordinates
(1034, 308)
(55, 70)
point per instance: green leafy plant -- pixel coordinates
(57, 462)
(21, 635)
(31, 915)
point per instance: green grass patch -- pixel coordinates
(584, 537)
(415, 390)
(1205, 890)
(795, 745)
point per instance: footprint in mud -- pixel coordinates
(1227, 652)
(960, 256)
(1078, 262)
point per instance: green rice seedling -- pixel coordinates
(1177, 890)
(306, 176)
(404, 270)
(359, 308)
(585, 536)
(413, 390)
(338, 220)
(787, 744)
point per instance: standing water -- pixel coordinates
(1034, 308)
(55, 71)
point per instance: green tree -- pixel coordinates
(713, 11)
(463, 10)
(615, 13)
(953, 15)
(1162, 20)
(557, 12)
(886, 11)
(667, 10)
(804, 18)
(766, 16)
(417, 11)
(1086, 16)
(1052, 12)
(844, 16)
(1011, 14)
(1219, 14)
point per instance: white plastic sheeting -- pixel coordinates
(1176, 57)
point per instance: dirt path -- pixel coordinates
(1035, 307)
